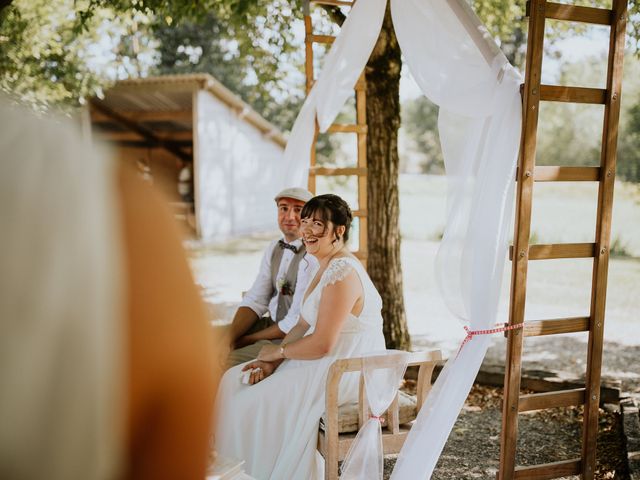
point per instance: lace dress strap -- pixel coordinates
(336, 271)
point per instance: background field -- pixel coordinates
(556, 288)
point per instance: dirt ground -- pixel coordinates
(473, 448)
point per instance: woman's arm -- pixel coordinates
(337, 301)
(262, 368)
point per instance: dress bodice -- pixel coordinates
(336, 271)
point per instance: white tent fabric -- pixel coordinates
(459, 67)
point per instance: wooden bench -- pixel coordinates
(338, 427)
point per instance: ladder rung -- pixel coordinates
(360, 171)
(561, 93)
(347, 128)
(566, 174)
(559, 250)
(344, 3)
(359, 213)
(575, 13)
(538, 328)
(545, 471)
(320, 39)
(539, 401)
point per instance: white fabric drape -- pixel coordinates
(364, 461)
(458, 66)
(342, 66)
(460, 69)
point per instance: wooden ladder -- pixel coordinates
(359, 128)
(522, 252)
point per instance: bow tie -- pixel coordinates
(284, 245)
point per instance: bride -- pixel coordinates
(272, 422)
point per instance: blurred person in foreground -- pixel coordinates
(106, 367)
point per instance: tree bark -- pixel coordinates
(382, 75)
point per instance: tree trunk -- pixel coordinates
(382, 76)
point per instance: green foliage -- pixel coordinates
(253, 69)
(505, 20)
(628, 164)
(420, 120)
(571, 134)
(45, 60)
(619, 249)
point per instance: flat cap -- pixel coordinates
(296, 193)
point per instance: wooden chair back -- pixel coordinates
(332, 444)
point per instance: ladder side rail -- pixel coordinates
(309, 73)
(522, 229)
(602, 237)
(361, 120)
(359, 128)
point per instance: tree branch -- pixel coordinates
(335, 14)
(4, 4)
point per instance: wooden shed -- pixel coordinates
(219, 160)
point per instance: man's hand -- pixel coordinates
(261, 370)
(270, 353)
(244, 341)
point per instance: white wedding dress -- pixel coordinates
(273, 425)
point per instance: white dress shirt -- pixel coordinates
(258, 298)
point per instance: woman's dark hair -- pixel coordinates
(330, 208)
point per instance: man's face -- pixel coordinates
(289, 217)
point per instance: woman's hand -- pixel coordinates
(270, 353)
(261, 370)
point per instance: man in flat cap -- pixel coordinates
(279, 287)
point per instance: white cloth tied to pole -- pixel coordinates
(364, 460)
(458, 67)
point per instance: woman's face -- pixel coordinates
(318, 236)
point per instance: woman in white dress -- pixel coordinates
(272, 423)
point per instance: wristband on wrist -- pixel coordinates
(282, 350)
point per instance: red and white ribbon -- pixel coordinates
(473, 333)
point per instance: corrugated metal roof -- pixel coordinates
(170, 93)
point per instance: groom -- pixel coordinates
(279, 287)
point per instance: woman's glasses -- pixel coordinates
(316, 227)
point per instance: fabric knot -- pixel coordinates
(376, 417)
(473, 333)
(284, 245)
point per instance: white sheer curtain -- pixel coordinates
(342, 67)
(458, 66)
(460, 69)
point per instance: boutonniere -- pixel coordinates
(284, 287)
